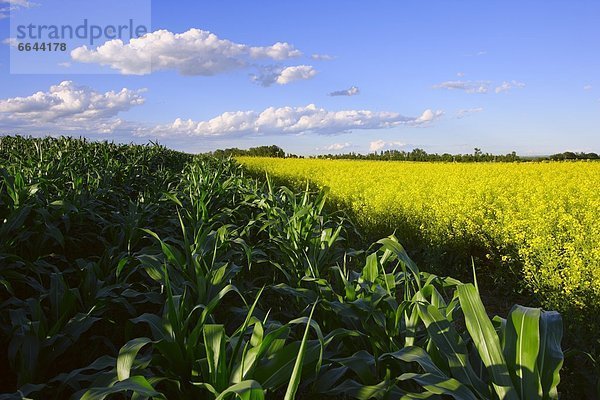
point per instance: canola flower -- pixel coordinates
(539, 216)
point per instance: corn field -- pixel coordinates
(139, 272)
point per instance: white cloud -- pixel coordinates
(295, 73)
(378, 145)
(283, 75)
(322, 57)
(288, 120)
(587, 87)
(467, 86)
(506, 86)
(460, 74)
(352, 91)
(279, 51)
(335, 146)
(427, 117)
(468, 111)
(68, 107)
(195, 52)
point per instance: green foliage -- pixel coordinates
(569, 155)
(421, 155)
(138, 272)
(260, 151)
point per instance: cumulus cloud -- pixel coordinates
(468, 111)
(195, 52)
(283, 75)
(378, 145)
(67, 106)
(427, 117)
(335, 146)
(467, 86)
(352, 91)
(460, 74)
(295, 73)
(587, 87)
(506, 86)
(288, 120)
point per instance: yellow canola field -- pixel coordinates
(539, 216)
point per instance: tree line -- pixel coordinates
(402, 155)
(569, 155)
(421, 155)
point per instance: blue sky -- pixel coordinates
(443, 76)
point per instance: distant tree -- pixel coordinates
(569, 155)
(260, 151)
(266, 151)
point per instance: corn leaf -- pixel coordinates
(486, 341)
(290, 392)
(521, 348)
(127, 355)
(551, 357)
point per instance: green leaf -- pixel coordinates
(391, 244)
(121, 265)
(486, 341)
(362, 363)
(216, 300)
(214, 343)
(437, 384)
(551, 357)
(156, 325)
(245, 390)
(127, 355)
(99, 364)
(521, 348)
(452, 347)
(136, 384)
(352, 389)
(281, 359)
(241, 331)
(173, 198)
(414, 354)
(371, 269)
(327, 378)
(411, 320)
(290, 393)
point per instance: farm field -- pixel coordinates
(531, 226)
(139, 272)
